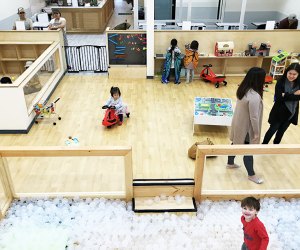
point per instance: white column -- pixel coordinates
(189, 11)
(180, 11)
(242, 17)
(74, 3)
(150, 38)
(135, 14)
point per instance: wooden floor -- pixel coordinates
(160, 131)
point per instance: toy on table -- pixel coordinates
(209, 76)
(42, 111)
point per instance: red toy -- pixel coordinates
(209, 76)
(110, 117)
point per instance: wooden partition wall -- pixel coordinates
(237, 64)
(7, 187)
(204, 150)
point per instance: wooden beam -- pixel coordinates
(110, 195)
(5, 179)
(54, 151)
(128, 175)
(198, 174)
(253, 149)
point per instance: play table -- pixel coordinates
(212, 111)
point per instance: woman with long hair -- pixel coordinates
(286, 106)
(247, 118)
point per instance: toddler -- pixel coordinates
(116, 101)
(191, 60)
(255, 234)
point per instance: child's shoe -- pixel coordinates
(120, 123)
(128, 114)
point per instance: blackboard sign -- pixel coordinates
(127, 49)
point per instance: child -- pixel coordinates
(191, 60)
(172, 63)
(255, 234)
(116, 101)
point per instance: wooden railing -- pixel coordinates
(7, 182)
(204, 150)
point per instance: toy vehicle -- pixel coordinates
(110, 117)
(209, 76)
(42, 111)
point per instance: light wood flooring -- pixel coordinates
(160, 131)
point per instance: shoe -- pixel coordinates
(177, 82)
(255, 179)
(128, 114)
(231, 166)
(120, 123)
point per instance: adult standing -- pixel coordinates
(286, 106)
(22, 17)
(247, 118)
(58, 22)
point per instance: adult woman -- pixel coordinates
(247, 118)
(172, 63)
(58, 22)
(22, 17)
(286, 106)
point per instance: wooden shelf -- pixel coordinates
(229, 65)
(14, 56)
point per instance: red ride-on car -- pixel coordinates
(209, 76)
(110, 117)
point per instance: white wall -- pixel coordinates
(256, 5)
(198, 3)
(10, 8)
(290, 6)
(36, 5)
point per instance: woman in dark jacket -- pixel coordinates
(286, 106)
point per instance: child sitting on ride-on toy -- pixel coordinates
(116, 108)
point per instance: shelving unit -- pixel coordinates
(230, 65)
(14, 56)
(278, 65)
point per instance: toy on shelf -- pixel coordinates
(42, 111)
(209, 76)
(262, 50)
(278, 64)
(224, 48)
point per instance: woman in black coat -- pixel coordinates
(286, 106)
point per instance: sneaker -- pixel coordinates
(120, 123)
(231, 166)
(255, 179)
(128, 114)
(177, 82)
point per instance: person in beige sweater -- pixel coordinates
(247, 118)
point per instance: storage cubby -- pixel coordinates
(14, 56)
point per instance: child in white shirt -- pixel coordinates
(116, 101)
